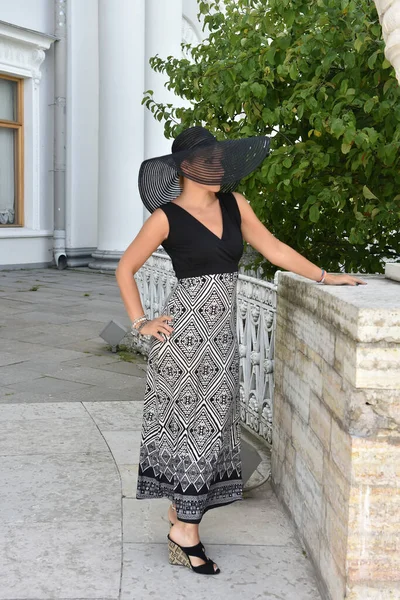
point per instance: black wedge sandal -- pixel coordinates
(172, 524)
(180, 555)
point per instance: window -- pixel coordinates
(11, 151)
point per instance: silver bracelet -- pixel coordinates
(135, 331)
(141, 318)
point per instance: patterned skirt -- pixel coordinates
(190, 440)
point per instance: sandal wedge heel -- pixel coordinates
(180, 555)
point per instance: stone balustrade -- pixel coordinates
(336, 437)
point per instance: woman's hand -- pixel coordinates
(157, 326)
(331, 279)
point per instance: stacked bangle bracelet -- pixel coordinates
(142, 322)
(323, 275)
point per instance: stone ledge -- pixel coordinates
(336, 428)
(392, 271)
(367, 313)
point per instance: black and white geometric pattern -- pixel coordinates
(190, 443)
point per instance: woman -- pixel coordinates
(190, 444)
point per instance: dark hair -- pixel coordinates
(181, 181)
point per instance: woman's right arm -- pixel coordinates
(154, 230)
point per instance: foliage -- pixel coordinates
(313, 74)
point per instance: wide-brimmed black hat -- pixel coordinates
(198, 155)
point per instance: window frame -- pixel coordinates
(18, 127)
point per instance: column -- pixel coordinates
(163, 37)
(121, 127)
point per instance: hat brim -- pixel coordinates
(223, 163)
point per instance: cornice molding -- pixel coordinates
(22, 51)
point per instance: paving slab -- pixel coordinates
(88, 375)
(47, 384)
(15, 373)
(28, 412)
(48, 436)
(9, 358)
(22, 349)
(124, 445)
(116, 415)
(52, 560)
(125, 368)
(253, 572)
(36, 316)
(80, 393)
(255, 523)
(129, 475)
(59, 487)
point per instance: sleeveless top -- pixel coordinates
(194, 249)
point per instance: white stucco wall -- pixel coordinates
(33, 14)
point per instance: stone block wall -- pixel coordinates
(336, 430)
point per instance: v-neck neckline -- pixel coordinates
(202, 224)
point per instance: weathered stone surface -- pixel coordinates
(332, 575)
(375, 510)
(308, 446)
(310, 489)
(292, 496)
(336, 488)
(320, 421)
(308, 372)
(372, 412)
(383, 568)
(345, 350)
(333, 394)
(341, 449)
(311, 531)
(342, 387)
(286, 418)
(297, 392)
(335, 532)
(314, 334)
(378, 367)
(290, 458)
(376, 462)
(368, 313)
(382, 591)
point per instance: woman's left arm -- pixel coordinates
(279, 253)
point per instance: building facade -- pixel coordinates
(73, 131)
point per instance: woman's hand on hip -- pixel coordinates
(158, 326)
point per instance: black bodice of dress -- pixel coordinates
(194, 249)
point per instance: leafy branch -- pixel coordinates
(313, 72)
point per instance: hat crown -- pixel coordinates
(191, 138)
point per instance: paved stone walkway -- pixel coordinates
(70, 417)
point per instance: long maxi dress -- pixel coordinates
(190, 438)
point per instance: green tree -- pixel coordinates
(313, 75)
